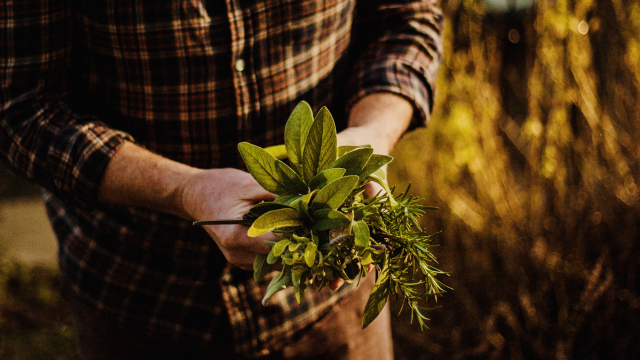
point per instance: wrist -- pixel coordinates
(367, 135)
(379, 119)
(137, 177)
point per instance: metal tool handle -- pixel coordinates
(247, 219)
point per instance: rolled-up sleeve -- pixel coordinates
(41, 137)
(400, 51)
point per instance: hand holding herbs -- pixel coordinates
(326, 226)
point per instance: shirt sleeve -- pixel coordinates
(41, 137)
(399, 50)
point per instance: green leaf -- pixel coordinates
(272, 174)
(299, 284)
(392, 201)
(378, 297)
(280, 247)
(270, 243)
(320, 147)
(294, 246)
(278, 151)
(375, 163)
(335, 193)
(379, 173)
(290, 258)
(326, 219)
(346, 148)
(353, 161)
(260, 267)
(292, 180)
(271, 258)
(324, 177)
(286, 198)
(278, 283)
(265, 207)
(367, 258)
(361, 231)
(300, 239)
(274, 220)
(302, 204)
(295, 133)
(310, 254)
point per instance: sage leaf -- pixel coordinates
(325, 177)
(361, 232)
(286, 198)
(270, 243)
(278, 283)
(300, 239)
(310, 254)
(353, 161)
(375, 163)
(302, 204)
(260, 267)
(295, 279)
(295, 133)
(378, 296)
(272, 174)
(278, 151)
(271, 258)
(298, 270)
(379, 173)
(335, 193)
(320, 148)
(280, 247)
(299, 285)
(294, 247)
(265, 207)
(346, 148)
(275, 219)
(367, 258)
(290, 258)
(326, 219)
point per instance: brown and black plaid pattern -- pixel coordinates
(187, 80)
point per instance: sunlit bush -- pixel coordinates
(532, 155)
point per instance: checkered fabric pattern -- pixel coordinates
(187, 80)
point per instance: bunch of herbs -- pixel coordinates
(326, 226)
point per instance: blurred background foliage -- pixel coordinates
(532, 155)
(34, 323)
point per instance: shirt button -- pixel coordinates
(240, 65)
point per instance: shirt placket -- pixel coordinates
(241, 65)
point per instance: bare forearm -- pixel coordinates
(378, 119)
(137, 177)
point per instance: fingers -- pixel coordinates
(336, 284)
(239, 249)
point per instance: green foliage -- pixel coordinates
(328, 229)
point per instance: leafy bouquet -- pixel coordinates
(327, 227)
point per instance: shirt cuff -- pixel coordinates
(79, 157)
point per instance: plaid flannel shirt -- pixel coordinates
(187, 80)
